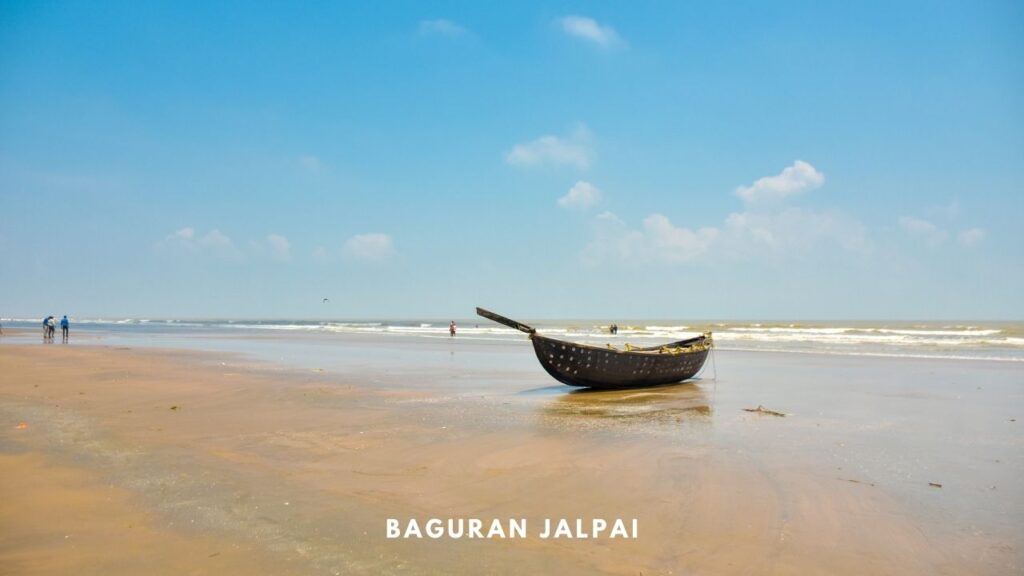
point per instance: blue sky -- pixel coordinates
(783, 160)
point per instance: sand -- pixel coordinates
(120, 460)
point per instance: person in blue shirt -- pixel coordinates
(64, 325)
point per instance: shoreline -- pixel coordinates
(332, 454)
(984, 340)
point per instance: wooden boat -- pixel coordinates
(596, 367)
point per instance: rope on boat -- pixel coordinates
(708, 344)
(714, 368)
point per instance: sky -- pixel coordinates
(697, 160)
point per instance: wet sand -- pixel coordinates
(115, 460)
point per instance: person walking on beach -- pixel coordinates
(64, 325)
(451, 329)
(48, 329)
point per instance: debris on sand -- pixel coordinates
(857, 481)
(175, 407)
(935, 484)
(22, 426)
(762, 410)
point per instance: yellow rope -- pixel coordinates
(705, 344)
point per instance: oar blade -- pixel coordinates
(506, 321)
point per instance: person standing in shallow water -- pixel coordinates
(451, 329)
(64, 325)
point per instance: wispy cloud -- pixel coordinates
(938, 228)
(322, 256)
(971, 237)
(280, 248)
(310, 163)
(440, 27)
(741, 236)
(374, 247)
(923, 229)
(573, 150)
(765, 232)
(657, 240)
(676, 244)
(590, 30)
(183, 235)
(792, 180)
(213, 243)
(581, 196)
(793, 231)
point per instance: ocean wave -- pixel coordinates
(975, 340)
(666, 328)
(789, 330)
(864, 337)
(882, 354)
(916, 332)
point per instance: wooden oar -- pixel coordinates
(506, 321)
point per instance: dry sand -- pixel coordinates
(126, 461)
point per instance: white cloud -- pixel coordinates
(658, 240)
(971, 237)
(280, 248)
(743, 235)
(791, 231)
(792, 180)
(374, 247)
(213, 243)
(549, 149)
(183, 235)
(611, 239)
(440, 27)
(215, 239)
(590, 30)
(581, 196)
(672, 244)
(923, 229)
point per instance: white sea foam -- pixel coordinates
(791, 330)
(883, 354)
(915, 332)
(666, 328)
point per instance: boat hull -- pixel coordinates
(594, 367)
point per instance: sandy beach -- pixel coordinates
(121, 459)
(314, 288)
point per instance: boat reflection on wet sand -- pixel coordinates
(683, 404)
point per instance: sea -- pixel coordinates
(1000, 341)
